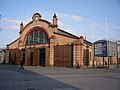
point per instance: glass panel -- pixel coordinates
(37, 37)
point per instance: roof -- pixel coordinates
(73, 36)
(13, 42)
(87, 42)
(60, 31)
(100, 41)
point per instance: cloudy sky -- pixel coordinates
(95, 19)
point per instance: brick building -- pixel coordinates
(42, 43)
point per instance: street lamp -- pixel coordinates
(117, 46)
(117, 56)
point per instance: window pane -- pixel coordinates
(37, 37)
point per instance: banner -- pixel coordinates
(100, 48)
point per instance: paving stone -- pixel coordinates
(53, 78)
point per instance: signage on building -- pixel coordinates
(105, 48)
(112, 48)
(100, 48)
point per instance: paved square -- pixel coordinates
(55, 78)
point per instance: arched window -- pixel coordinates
(37, 36)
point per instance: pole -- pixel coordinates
(117, 46)
(117, 55)
(93, 44)
(106, 28)
(108, 52)
(103, 61)
(107, 40)
(117, 61)
(108, 62)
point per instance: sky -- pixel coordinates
(93, 19)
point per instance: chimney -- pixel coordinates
(21, 27)
(55, 20)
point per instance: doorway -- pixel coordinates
(86, 57)
(31, 58)
(42, 57)
(23, 56)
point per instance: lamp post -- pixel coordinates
(117, 48)
(117, 56)
(93, 56)
(93, 36)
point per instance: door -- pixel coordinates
(86, 57)
(63, 56)
(23, 56)
(31, 58)
(42, 57)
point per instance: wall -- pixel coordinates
(2, 55)
(63, 40)
(14, 44)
